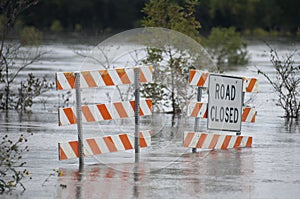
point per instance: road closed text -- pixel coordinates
(225, 102)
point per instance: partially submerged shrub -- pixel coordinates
(56, 26)
(12, 170)
(227, 47)
(30, 36)
(286, 83)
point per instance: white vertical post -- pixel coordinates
(196, 126)
(137, 113)
(79, 119)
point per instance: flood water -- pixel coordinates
(270, 169)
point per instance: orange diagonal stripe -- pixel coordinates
(89, 79)
(74, 146)
(125, 141)
(214, 141)
(201, 140)
(249, 142)
(70, 115)
(106, 78)
(70, 78)
(123, 75)
(188, 139)
(62, 155)
(192, 74)
(149, 103)
(104, 112)
(196, 109)
(202, 80)
(245, 113)
(142, 140)
(93, 145)
(253, 117)
(238, 141)
(251, 85)
(142, 76)
(226, 142)
(132, 103)
(58, 85)
(87, 114)
(110, 144)
(120, 109)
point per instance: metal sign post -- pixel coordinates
(137, 113)
(79, 119)
(197, 119)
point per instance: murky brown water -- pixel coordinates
(270, 169)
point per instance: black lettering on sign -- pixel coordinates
(231, 114)
(233, 91)
(217, 91)
(211, 113)
(222, 114)
(222, 91)
(226, 114)
(236, 115)
(227, 93)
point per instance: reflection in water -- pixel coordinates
(101, 181)
(229, 169)
(292, 126)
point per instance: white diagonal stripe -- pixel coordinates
(118, 143)
(232, 142)
(101, 144)
(67, 149)
(196, 78)
(87, 151)
(208, 140)
(130, 74)
(62, 80)
(62, 117)
(112, 111)
(145, 108)
(147, 73)
(115, 77)
(128, 108)
(83, 83)
(220, 142)
(147, 137)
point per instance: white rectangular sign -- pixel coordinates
(224, 103)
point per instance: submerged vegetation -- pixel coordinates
(12, 170)
(286, 82)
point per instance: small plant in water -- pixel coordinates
(12, 170)
(286, 82)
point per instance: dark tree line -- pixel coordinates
(97, 16)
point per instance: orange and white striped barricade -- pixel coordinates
(98, 112)
(100, 145)
(199, 109)
(101, 112)
(215, 141)
(102, 78)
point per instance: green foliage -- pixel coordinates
(171, 58)
(30, 89)
(30, 36)
(169, 14)
(56, 26)
(227, 47)
(12, 170)
(259, 32)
